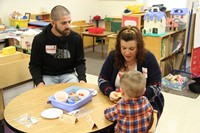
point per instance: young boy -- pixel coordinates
(133, 112)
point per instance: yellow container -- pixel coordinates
(22, 23)
(9, 50)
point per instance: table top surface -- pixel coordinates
(35, 100)
(104, 34)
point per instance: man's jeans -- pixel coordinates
(69, 77)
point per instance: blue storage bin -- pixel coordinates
(175, 86)
(71, 106)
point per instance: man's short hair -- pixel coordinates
(59, 11)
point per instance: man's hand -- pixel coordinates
(40, 84)
(82, 81)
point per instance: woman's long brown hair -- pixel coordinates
(129, 33)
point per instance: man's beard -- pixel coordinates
(64, 32)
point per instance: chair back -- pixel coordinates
(154, 121)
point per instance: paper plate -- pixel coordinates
(51, 113)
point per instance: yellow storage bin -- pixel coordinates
(22, 23)
(9, 50)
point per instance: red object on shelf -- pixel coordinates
(96, 30)
(97, 17)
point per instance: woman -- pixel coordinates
(130, 54)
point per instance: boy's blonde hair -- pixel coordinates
(133, 83)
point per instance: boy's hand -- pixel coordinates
(114, 96)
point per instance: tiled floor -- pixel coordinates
(180, 115)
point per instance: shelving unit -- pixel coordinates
(163, 48)
(46, 17)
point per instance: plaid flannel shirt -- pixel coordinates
(132, 115)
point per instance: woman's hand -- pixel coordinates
(114, 96)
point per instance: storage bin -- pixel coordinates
(14, 69)
(22, 23)
(96, 30)
(9, 50)
(173, 85)
(71, 106)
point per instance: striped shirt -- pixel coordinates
(132, 115)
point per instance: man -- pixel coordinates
(57, 54)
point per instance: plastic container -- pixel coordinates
(71, 106)
(22, 23)
(9, 50)
(96, 30)
(172, 85)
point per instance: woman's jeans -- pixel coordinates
(68, 77)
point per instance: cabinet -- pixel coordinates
(41, 17)
(113, 24)
(168, 49)
(133, 19)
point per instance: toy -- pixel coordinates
(176, 82)
(154, 22)
(136, 8)
(180, 16)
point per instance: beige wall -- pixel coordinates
(80, 9)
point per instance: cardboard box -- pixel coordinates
(14, 69)
(26, 41)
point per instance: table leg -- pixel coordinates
(1, 104)
(93, 44)
(102, 43)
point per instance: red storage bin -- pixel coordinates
(96, 30)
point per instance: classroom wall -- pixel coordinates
(169, 4)
(77, 8)
(80, 9)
